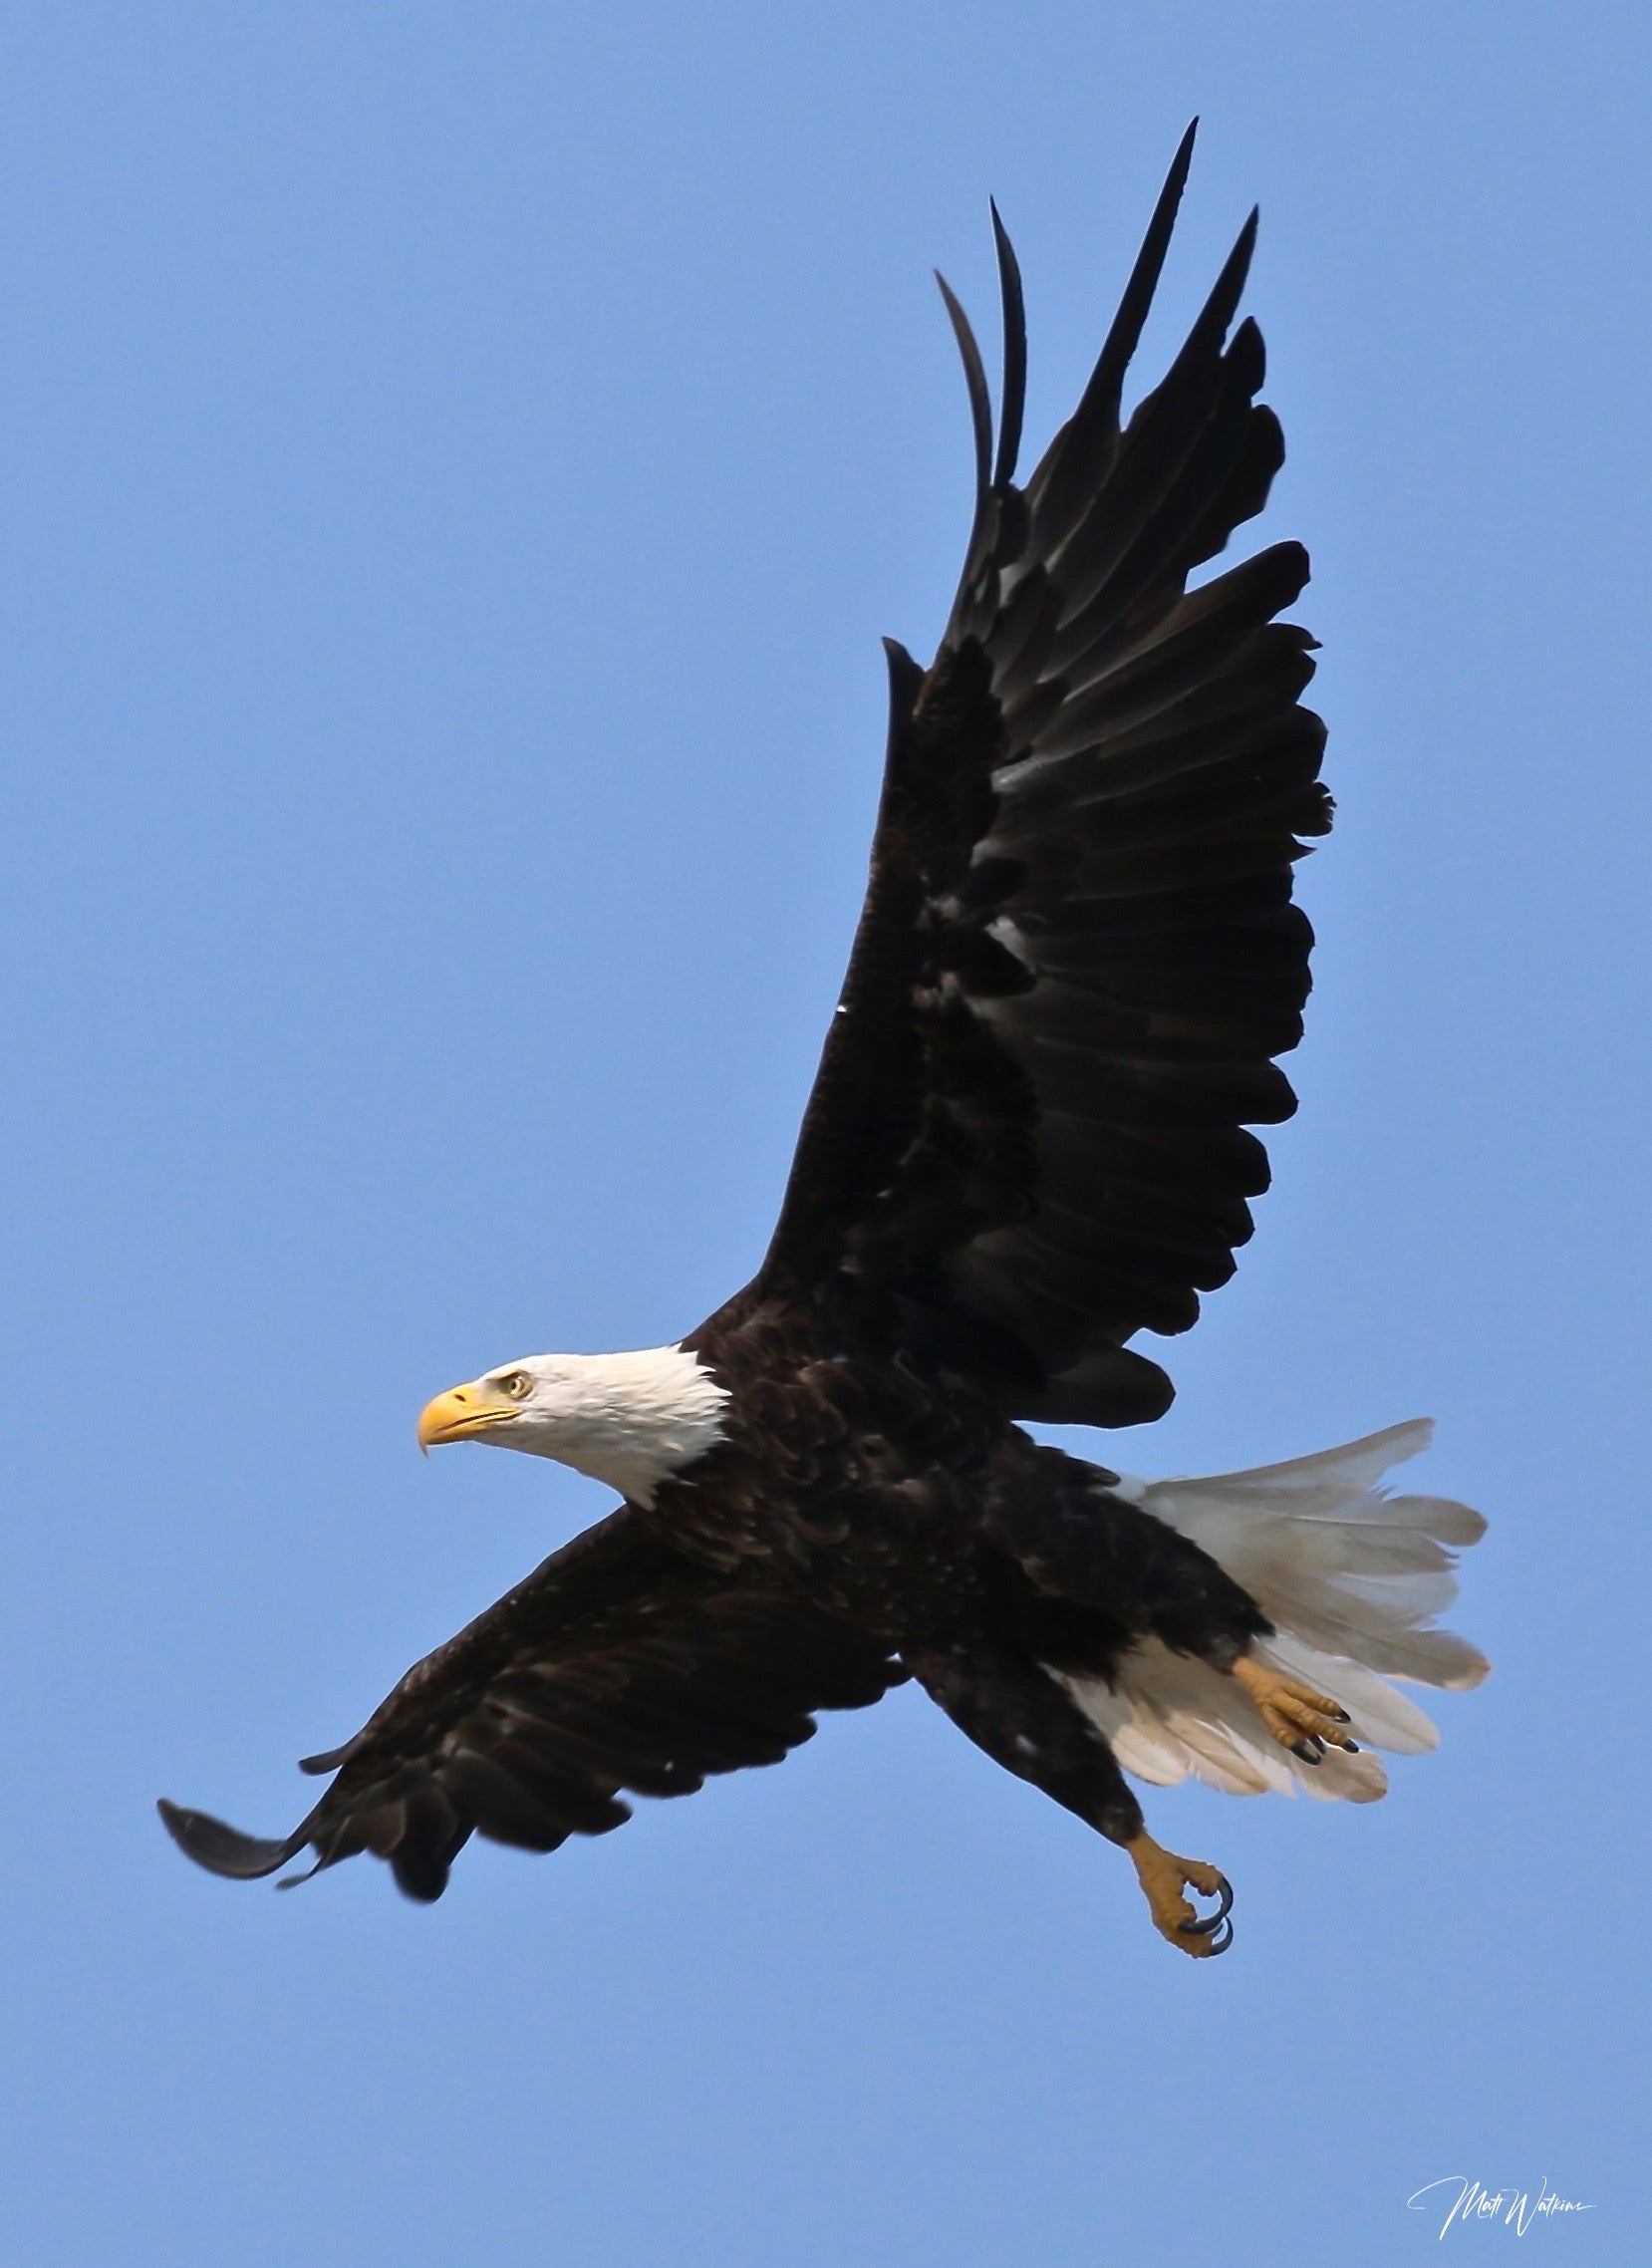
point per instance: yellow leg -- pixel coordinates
(1163, 1877)
(1299, 1717)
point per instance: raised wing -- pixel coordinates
(618, 1664)
(1079, 954)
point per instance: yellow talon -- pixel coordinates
(1292, 1712)
(1163, 1877)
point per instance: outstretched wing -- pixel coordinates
(1079, 954)
(618, 1664)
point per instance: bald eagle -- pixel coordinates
(1026, 1143)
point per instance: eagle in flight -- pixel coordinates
(1028, 1141)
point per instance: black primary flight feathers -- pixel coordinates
(1029, 1142)
(1079, 954)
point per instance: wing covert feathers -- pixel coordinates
(618, 1667)
(1078, 957)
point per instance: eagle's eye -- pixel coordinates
(519, 1385)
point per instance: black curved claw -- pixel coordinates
(1341, 1717)
(1211, 1922)
(1307, 1751)
(1221, 1944)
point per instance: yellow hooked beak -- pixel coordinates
(462, 1412)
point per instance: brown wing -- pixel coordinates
(1079, 954)
(618, 1664)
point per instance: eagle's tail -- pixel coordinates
(1350, 1577)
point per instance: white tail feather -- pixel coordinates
(1347, 1574)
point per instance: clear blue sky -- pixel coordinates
(458, 462)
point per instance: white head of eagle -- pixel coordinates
(630, 1420)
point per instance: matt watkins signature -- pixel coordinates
(1464, 2202)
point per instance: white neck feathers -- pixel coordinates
(630, 1420)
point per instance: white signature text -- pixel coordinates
(1464, 2202)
